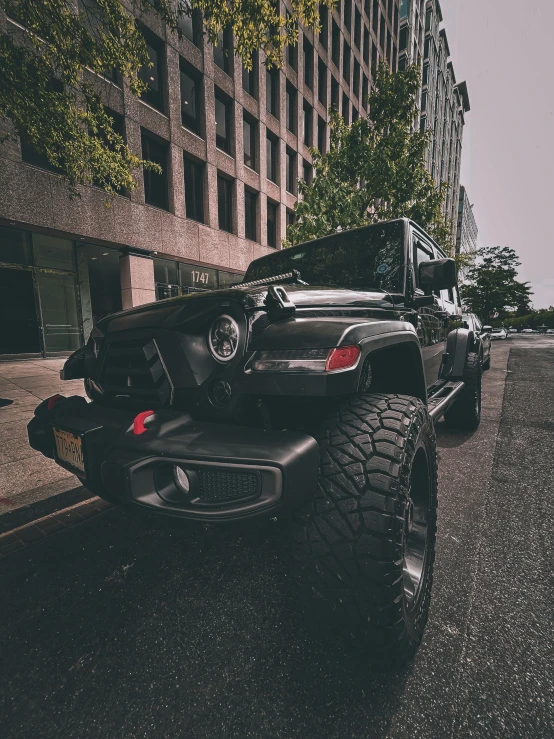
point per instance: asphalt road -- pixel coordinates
(125, 627)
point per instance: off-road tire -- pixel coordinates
(349, 544)
(465, 413)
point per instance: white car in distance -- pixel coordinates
(499, 333)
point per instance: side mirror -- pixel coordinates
(437, 274)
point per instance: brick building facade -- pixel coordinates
(232, 145)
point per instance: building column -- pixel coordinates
(137, 280)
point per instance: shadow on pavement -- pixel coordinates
(124, 626)
(448, 438)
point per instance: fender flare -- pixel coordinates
(459, 343)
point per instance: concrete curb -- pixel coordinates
(22, 536)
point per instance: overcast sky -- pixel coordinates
(503, 49)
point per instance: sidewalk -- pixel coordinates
(25, 475)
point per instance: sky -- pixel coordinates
(503, 49)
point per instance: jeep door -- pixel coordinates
(430, 328)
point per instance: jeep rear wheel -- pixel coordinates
(364, 549)
(466, 411)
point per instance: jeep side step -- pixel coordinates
(442, 398)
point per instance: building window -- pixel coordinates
(307, 118)
(153, 76)
(155, 185)
(424, 101)
(322, 81)
(335, 45)
(365, 92)
(191, 87)
(292, 56)
(291, 108)
(324, 23)
(425, 78)
(357, 28)
(291, 171)
(348, 14)
(272, 91)
(194, 189)
(223, 52)
(290, 221)
(222, 122)
(345, 108)
(249, 77)
(367, 44)
(346, 62)
(250, 206)
(335, 94)
(271, 224)
(249, 141)
(271, 157)
(308, 64)
(225, 203)
(191, 26)
(356, 79)
(404, 8)
(307, 172)
(403, 39)
(375, 16)
(374, 57)
(321, 135)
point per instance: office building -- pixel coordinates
(466, 227)
(232, 143)
(444, 101)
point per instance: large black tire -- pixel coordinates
(373, 515)
(466, 411)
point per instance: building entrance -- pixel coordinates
(19, 325)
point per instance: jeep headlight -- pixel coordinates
(223, 338)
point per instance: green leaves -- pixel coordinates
(492, 287)
(375, 169)
(66, 123)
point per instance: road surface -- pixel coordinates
(127, 627)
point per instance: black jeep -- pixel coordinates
(306, 393)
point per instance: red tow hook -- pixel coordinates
(138, 423)
(51, 402)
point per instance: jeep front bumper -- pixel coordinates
(175, 465)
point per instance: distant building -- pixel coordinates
(466, 229)
(444, 102)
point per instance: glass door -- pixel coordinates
(19, 328)
(60, 316)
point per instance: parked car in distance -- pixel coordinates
(512, 330)
(499, 333)
(482, 336)
(550, 330)
(527, 331)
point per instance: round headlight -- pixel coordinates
(223, 338)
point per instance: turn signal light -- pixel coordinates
(342, 357)
(53, 400)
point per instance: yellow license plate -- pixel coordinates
(69, 449)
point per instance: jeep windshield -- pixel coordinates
(371, 257)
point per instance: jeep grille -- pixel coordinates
(134, 369)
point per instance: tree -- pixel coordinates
(375, 168)
(492, 286)
(50, 61)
